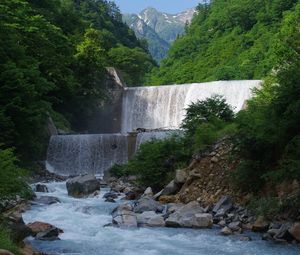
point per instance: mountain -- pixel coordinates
(158, 28)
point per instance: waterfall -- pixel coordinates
(81, 154)
(157, 107)
(164, 106)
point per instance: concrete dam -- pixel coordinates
(150, 108)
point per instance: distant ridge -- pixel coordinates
(160, 29)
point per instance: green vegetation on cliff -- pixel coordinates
(227, 40)
(53, 57)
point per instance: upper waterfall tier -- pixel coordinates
(164, 106)
(82, 154)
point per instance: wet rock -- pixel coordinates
(46, 200)
(150, 219)
(123, 216)
(110, 195)
(180, 177)
(5, 252)
(158, 194)
(295, 231)
(82, 186)
(110, 200)
(223, 206)
(49, 235)
(148, 204)
(44, 231)
(226, 231)
(41, 188)
(260, 225)
(170, 189)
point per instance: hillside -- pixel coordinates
(158, 28)
(226, 40)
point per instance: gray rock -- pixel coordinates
(283, 233)
(235, 226)
(5, 252)
(82, 186)
(180, 177)
(46, 200)
(49, 235)
(148, 204)
(123, 216)
(170, 189)
(191, 216)
(226, 231)
(41, 188)
(150, 219)
(110, 195)
(223, 206)
(148, 192)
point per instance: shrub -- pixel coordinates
(6, 242)
(268, 207)
(155, 162)
(204, 111)
(12, 176)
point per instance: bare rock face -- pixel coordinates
(295, 231)
(82, 186)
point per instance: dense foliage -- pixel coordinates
(269, 130)
(11, 176)
(53, 54)
(227, 40)
(6, 242)
(156, 161)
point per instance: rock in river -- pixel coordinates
(82, 186)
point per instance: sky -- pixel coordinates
(169, 6)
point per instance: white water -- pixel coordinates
(164, 106)
(82, 221)
(80, 154)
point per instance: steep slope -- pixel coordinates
(159, 29)
(226, 40)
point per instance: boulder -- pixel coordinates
(260, 225)
(235, 226)
(82, 186)
(148, 204)
(110, 195)
(123, 216)
(110, 200)
(226, 231)
(41, 188)
(5, 252)
(223, 206)
(180, 177)
(148, 192)
(150, 219)
(190, 215)
(49, 235)
(170, 189)
(284, 234)
(131, 195)
(44, 231)
(295, 231)
(46, 200)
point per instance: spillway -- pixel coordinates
(86, 154)
(164, 106)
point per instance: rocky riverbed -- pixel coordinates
(105, 221)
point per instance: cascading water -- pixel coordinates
(157, 107)
(164, 106)
(81, 154)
